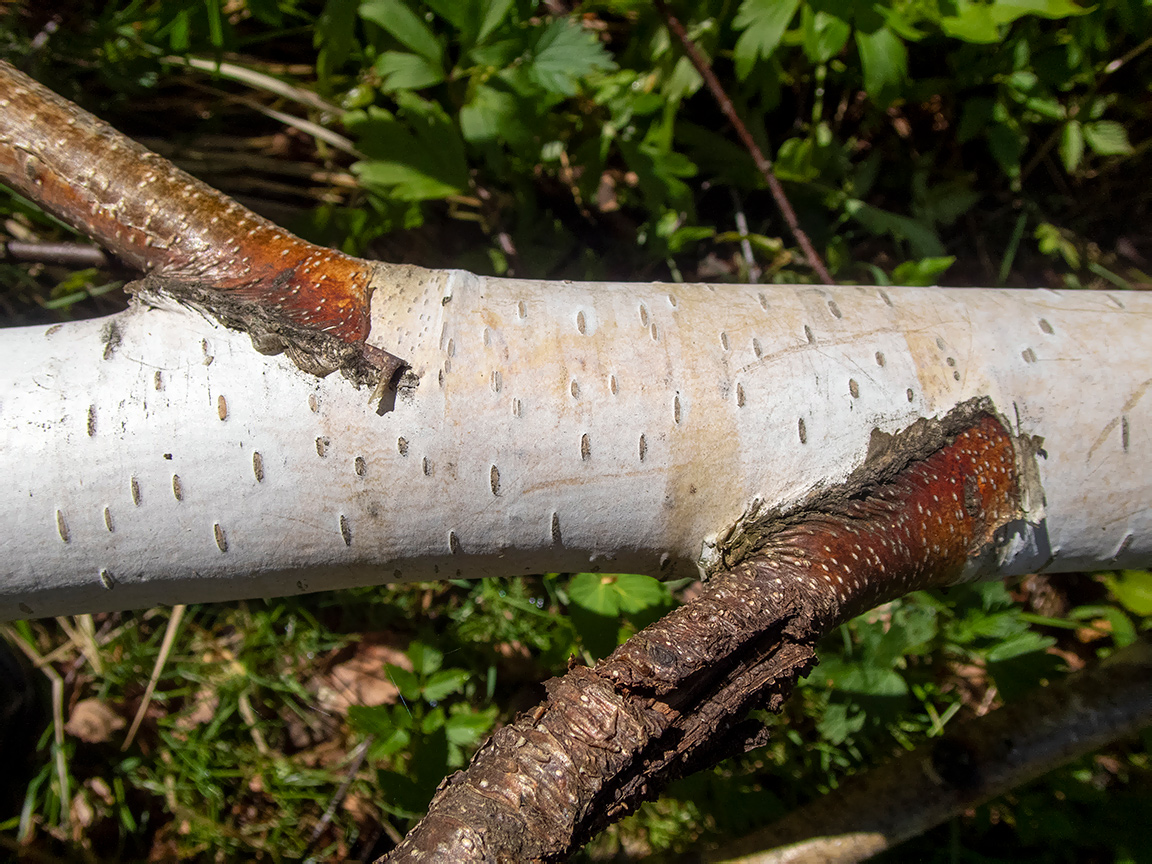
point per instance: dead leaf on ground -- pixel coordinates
(204, 707)
(363, 678)
(93, 721)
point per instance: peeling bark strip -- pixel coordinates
(668, 701)
(207, 249)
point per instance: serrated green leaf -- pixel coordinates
(425, 658)
(433, 721)
(1071, 145)
(1107, 138)
(763, 23)
(1133, 588)
(418, 157)
(885, 62)
(445, 683)
(405, 26)
(563, 54)
(402, 71)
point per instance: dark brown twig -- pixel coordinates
(763, 163)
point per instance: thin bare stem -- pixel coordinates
(763, 163)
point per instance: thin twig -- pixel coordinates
(70, 254)
(161, 659)
(358, 757)
(763, 163)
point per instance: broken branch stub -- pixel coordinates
(195, 243)
(670, 699)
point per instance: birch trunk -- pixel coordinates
(154, 457)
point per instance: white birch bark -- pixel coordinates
(155, 457)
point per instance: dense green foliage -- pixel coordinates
(919, 140)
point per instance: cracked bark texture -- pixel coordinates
(195, 243)
(672, 698)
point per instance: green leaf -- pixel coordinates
(401, 71)
(466, 728)
(1007, 11)
(445, 683)
(433, 721)
(1107, 138)
(836, 725)
(1007, 146)
(414, 160)
(595, 593)
(1021, 643)
(885, 62)
(371, 720)
(492, 114)
(1133, 588)
(794, 160)
(425, 659)
(921, 238)
(1071, 145)
(406, 682)
(825, 34)
(563, 54)
(492, 15)
(763, 23)
(405, 26)
(924, 272)
(865, 680)
(974, 23)
(1051, 241)
(980, 22)
(639, 592)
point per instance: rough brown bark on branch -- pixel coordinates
(611, 736)
(195, 243)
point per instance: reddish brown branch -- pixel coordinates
(669, 700)
(763, 163)
(160, 220)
